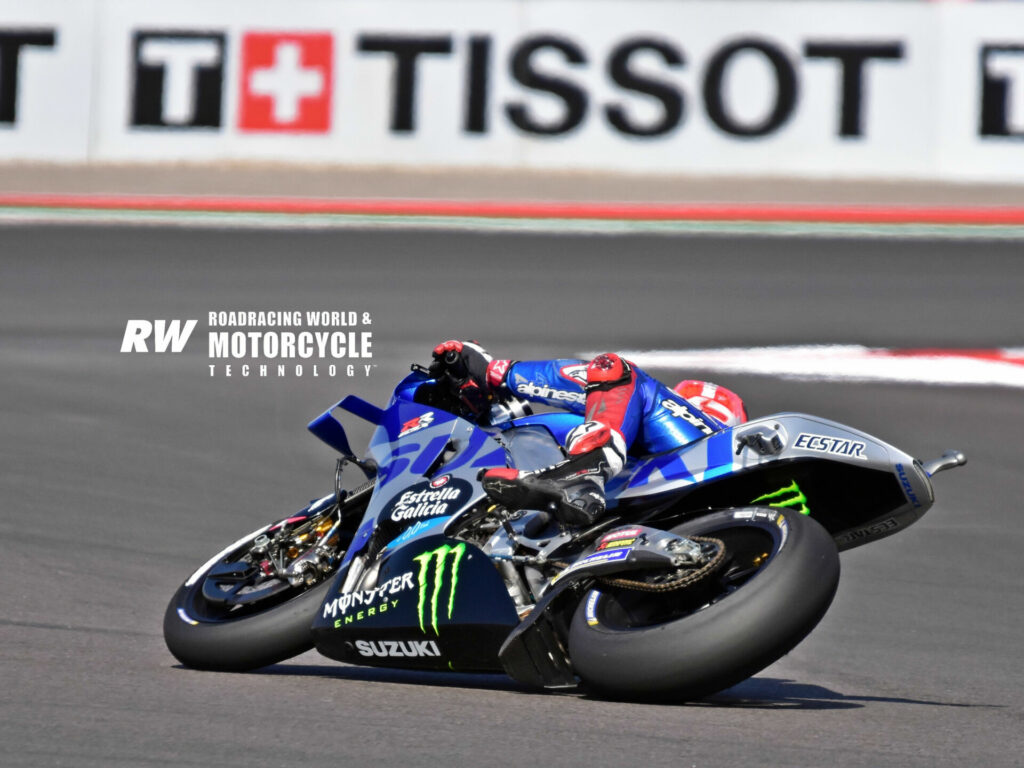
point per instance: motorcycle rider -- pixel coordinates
(622, 407)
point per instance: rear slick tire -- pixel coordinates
(779, 578)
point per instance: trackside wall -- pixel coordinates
(810, 89)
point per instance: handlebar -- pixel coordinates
(442, 392)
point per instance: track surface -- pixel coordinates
(121, 473)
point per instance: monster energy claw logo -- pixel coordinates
(429, 603)
(790, 496)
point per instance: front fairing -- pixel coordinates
(437, 603)
(427, 462)
(432, 602)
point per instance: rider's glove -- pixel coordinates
(463, 360)
(474, 373)
(468, 360)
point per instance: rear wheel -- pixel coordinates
(253, 604)
(778, 579)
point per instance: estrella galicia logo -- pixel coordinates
(428, 500)
(438, 580)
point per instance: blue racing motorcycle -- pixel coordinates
(713, 560)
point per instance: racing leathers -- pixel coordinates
(623, 408)
(648, 415)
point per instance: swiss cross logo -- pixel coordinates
(286, 82)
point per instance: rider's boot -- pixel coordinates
(574, 488)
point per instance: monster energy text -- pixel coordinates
(368, 598)
(369, 613)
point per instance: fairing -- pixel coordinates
(425, 600)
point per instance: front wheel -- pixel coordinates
(253, 604)
(778, 579)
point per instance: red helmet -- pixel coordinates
(714, 400)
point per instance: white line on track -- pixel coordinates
(850, 362)
(241, 220)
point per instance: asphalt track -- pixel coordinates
(120, 473)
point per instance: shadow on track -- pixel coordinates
(755, 693)
(775, 693)
(495, 682)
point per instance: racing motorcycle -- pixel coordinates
(714, 559)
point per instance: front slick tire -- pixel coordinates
(205, 635)
(779, 578)
(246, 643)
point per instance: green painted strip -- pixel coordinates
(332, 221)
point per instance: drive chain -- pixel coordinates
(688, 577)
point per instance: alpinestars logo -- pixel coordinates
(680, 411)
(791, 496)
(544, 392)
(432, 582)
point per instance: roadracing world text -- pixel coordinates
(266, 344)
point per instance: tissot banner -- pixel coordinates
(47, 55)
(896, 90)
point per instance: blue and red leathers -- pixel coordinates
(623, 409)
(649, 416)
